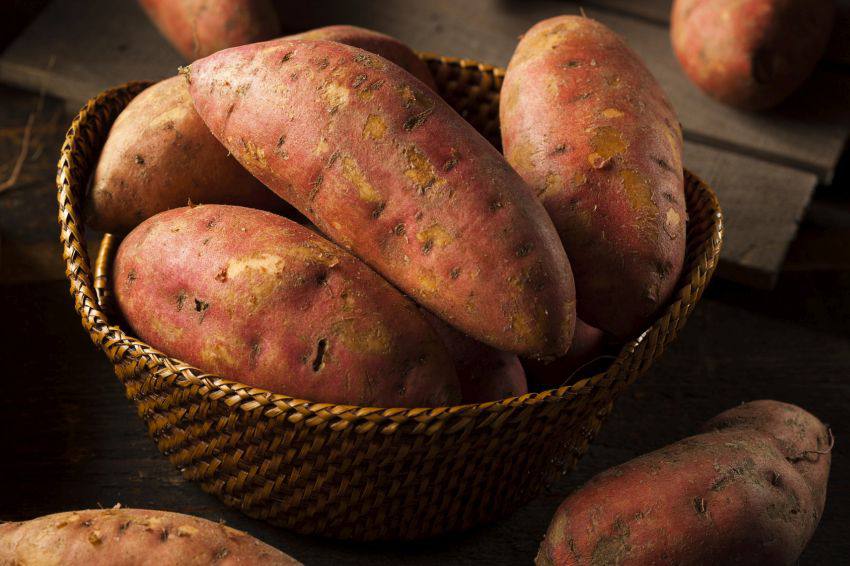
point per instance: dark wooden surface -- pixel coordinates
(76, 48)
(72, 440)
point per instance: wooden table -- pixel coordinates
(73, 440)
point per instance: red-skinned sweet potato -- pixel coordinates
(137, 537)
(381, 44)
(588, 344)
(160, 155)
(384, 167)
(197, 28)
(750, 53)
(587, 126)
(485, 374)
(749, 490)
(260, 299)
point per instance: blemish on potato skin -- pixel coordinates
(417, 120)
(139, 159)
(454, 273)
(378, 210)
(399, 230)
(358, 80)
(181, 299)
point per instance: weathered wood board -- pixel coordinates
(763, 205)
(658, 11)
(99, 43)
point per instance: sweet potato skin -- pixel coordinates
(381, 44)
(257, 298)
(733, 495)
(388, 170)
(160, 155)
(588, 127)
(588, 344)
(131, 537)
(197, 28)
(751, 54)
(485, 374)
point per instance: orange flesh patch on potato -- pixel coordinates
(612, 113)
(435, 234)
(335, 96)
(607, 142)
(420, 171)
(375, 127)
(639, 193)
(427, 282)
(375, 340)
(352, 173)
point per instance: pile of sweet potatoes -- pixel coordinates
(393, 198)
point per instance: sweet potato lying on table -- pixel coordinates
(589, 128)
(381, 165)
(375, 42)
(257, 298)
(131, 537)
(750, 53)
(749, 490)
(197, 28)
(160, 155)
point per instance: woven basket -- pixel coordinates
(359, 472)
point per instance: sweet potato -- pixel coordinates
(588, 344)
(485, 374)
(160, 155)
(588, 127)
(749, 490)
(197, 28)
(131, 537)
(387, 169)
(260, 299)
(750, 54)
(381, 44)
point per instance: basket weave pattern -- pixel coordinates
(358, 472)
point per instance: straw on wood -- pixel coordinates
(360, 472)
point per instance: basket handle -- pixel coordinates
(80, 152)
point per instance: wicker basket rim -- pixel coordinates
(250, 398)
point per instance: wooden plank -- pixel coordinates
(763, 205)
(100, 43)
(75, 49)
(658, 11)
